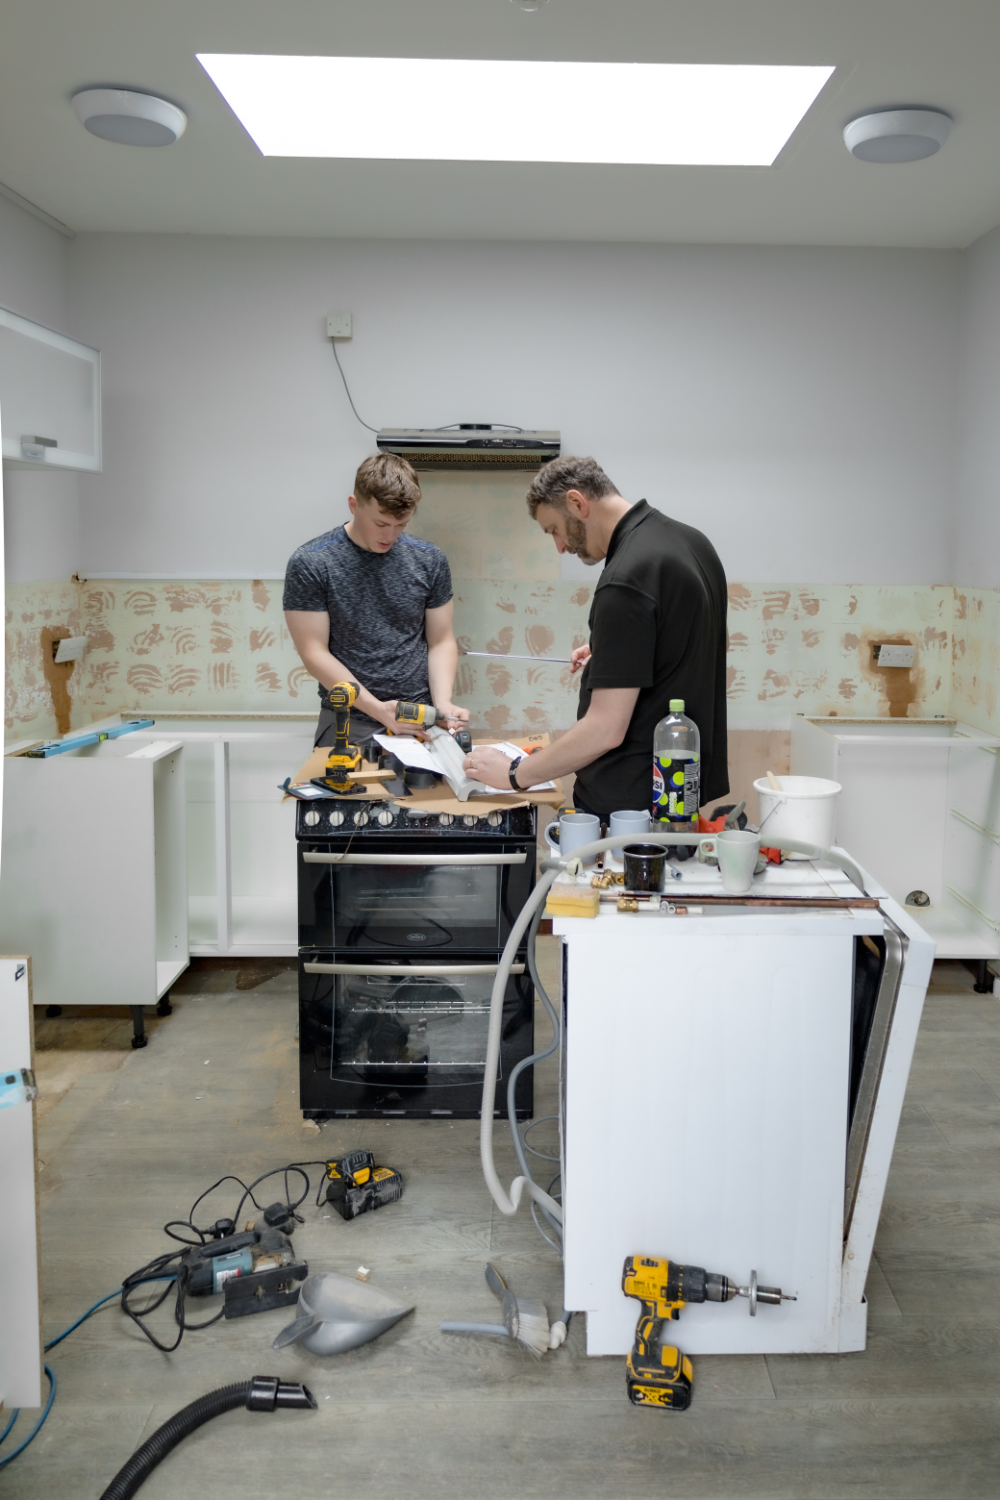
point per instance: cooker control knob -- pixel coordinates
(446, 819)
(384, 817)
(336, 818)
(495, 819)
(360, 818)
(311, 818)
(470, 820)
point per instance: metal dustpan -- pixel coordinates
(337, 1313)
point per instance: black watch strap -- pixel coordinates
(513, 772)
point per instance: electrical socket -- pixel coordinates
(893, 656)
(338, 325)
(70, 648)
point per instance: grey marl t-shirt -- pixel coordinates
(376, 603)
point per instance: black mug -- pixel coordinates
(645, 867)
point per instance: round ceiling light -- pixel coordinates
(897, 135)
(129, 117)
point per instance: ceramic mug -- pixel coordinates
(627, 825)
(572, 831)
(645, 867)
(737, 850)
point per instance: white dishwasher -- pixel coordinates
(733, 1083)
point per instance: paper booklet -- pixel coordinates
(439, 753)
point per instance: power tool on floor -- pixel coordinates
(355, 1185)
(424, 716)
(657, 1373)
(343, 757)
(255, 1270)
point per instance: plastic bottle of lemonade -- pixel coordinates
(676, 771)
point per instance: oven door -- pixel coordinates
(397, 896)
(405, 1038)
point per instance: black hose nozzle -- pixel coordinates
(267, 1392)
(262, 1393)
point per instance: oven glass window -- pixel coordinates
(416, 907)
(415, 1030)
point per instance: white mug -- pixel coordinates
(575, 830)
(737, 850)
(627, 825)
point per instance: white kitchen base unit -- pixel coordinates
(919, 810)
(20, 1330)
(707, 1097)
(93, 880)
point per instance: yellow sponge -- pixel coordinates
(565, 900)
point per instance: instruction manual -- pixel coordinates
(439, 753)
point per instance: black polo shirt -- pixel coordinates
(658, 623)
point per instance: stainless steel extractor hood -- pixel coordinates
(470, 445)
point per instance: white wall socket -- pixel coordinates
(894, 656)
(70, 648)
(338, 325)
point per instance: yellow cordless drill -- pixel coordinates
(343, 757)
(657, 1373)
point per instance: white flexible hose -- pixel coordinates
(551, 868)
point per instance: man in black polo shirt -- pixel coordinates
(657, 631)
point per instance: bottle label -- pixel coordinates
(676, 788)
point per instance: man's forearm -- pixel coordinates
(442, 664)
(327, 670)
(578, 747)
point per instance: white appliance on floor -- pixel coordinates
(706, 1110)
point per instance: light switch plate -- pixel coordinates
(70, 648)
(894, 656)
(338, 325)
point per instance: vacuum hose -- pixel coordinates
(262, 1393)
(508, 1203)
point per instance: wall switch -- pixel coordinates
(338, 325)
(893, 656)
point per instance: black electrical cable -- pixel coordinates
(262, 1393)
(347, 388)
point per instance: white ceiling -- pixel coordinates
(944, 53)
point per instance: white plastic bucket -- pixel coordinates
(804, 809)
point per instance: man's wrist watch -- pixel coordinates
(513, 772)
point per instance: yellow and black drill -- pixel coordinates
(343, 757)
(657, 1373)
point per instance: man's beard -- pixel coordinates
(576, 541)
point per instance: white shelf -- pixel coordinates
(263, 927)
(954, 936)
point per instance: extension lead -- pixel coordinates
(525, 1186)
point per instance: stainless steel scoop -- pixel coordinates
(337, 1313)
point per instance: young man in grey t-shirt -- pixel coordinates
(366, 603)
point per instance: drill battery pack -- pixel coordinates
(665, 1382)
(355, 1185)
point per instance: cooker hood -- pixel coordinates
(470, 445)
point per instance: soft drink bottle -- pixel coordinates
(676, 771)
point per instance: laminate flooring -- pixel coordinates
(422, 1415)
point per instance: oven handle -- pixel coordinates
(315, 857)
(407, 969)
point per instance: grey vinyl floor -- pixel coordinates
(425, 1416)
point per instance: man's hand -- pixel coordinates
(489, 766)
(385, 713)
(578, 658)
(452, 717)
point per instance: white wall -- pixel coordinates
(797, 404)
(41, 511)
(977, 512)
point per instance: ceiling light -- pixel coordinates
(128, 117)
(529, 5)
(433, 109)
(897, 135)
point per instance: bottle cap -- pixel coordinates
(677, 705)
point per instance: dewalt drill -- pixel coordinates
(343, 757)
(424, 716)
(657, 1373)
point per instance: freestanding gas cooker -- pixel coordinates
(403, 915)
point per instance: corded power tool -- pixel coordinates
(657, 1373)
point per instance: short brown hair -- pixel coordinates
(391, 481)
(550, 485)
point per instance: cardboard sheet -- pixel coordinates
(441, 799)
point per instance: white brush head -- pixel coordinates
(528, 1322)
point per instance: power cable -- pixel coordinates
(347, 388)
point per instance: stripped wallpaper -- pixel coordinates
(222, 646)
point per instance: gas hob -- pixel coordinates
(372, 818)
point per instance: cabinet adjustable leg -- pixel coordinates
(163, 1006)
(139, 1037)
(984, 979)
(53, 1010)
